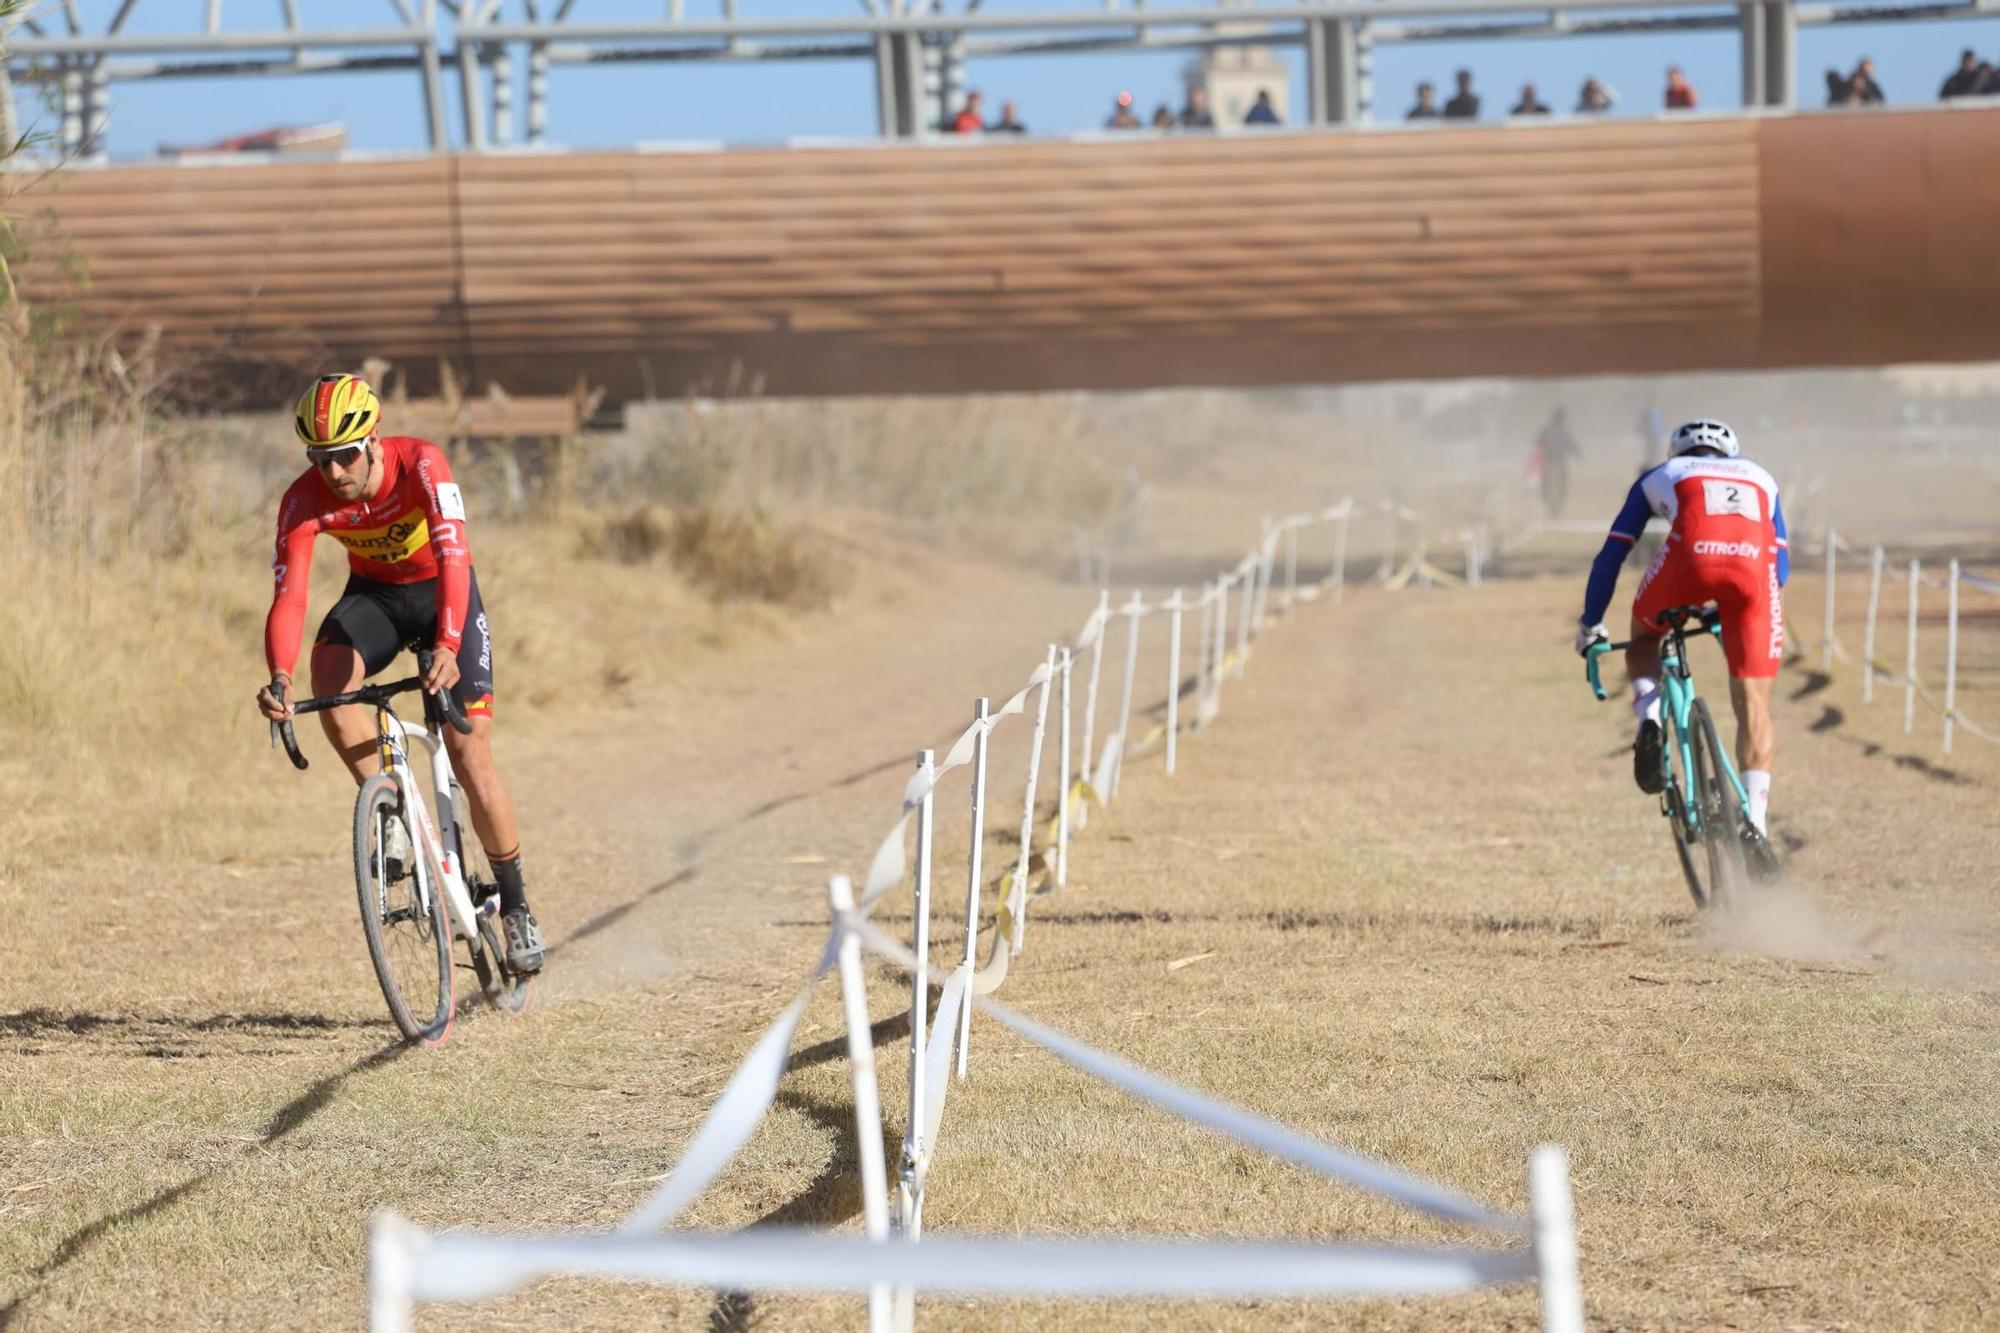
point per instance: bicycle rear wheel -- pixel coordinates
(1720, 812)
(504, 990)
(1686, 835)
(409, 939)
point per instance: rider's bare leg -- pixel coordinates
(337, 668)
(1642, 667)
(1756, 741)
(492, 806)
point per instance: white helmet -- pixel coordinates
(1704, 434)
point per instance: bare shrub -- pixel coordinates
(726, 554)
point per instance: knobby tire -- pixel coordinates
(412, 955)
(1720, 810)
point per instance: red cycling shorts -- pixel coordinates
(1743, 586)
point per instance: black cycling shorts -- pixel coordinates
(379, 620)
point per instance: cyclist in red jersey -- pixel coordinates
(1725, 544)
(391, 502)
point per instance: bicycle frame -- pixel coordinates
(441, 860)
(1677, 689)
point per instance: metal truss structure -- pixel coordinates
(918, 47)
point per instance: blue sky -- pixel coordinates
(769, 102)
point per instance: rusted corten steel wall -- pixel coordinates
(1531, 250)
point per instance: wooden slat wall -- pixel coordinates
(1002, 265)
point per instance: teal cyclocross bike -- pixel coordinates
(1702, 797)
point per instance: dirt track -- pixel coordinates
(1441, 926)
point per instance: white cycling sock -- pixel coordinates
(1646, 698)
(1757, 786)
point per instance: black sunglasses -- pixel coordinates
(340, 458)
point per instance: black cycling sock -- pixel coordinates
(507, 873)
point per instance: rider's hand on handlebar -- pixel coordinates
(1589, 636)
(268, 705)
(443, 673)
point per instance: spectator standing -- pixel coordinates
(1009, 122)
(1196, 115)
(1680, 93)
(1595, 98)
(1863, 84)
(1464, 104)
(1163, 117)
(1554, 448)
(1426, 107)
(968, 119)
(1989, 80)
(1963, 81)
(1261, 111)
(1121, 114)
(1529, 105)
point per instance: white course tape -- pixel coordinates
(1243, 1126)
(456, 1267)
(937, 1053)
(1978, 581)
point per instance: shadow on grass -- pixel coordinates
(287, 1118)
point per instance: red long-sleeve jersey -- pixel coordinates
(411, 529)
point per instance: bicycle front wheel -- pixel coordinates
(409, 935)
(1719, 810)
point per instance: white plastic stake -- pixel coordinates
(1132, 609)
(1340, 558)
(1910, 659)
(1221, 635)
(982, 716)
(1244, 609)
(1018, 899)
(1868, 634)
(1062, 803)
(1173, 678)
(1950, 655)
(1556, 1265)
(1291, 567)
(1201, 646)
(867, 1099)
(920, 983)
(1471, 558)
(1826, 635)
(1090, 699)
(389, 1303)
(1392, 512)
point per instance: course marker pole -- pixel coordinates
(1062, 802)
(1291, 567)
(867, 1099)
(1340, 554)
(1555, 1240)
(980, 716)
(920, 986)
(1019, 897)
(1174, 677)
(1868, 635)
(1201, 647)
(1826, 634)
(1950, 655)
(1910, 657)
(1090, 700)
(1132, 609)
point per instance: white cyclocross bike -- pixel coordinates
(412, 913)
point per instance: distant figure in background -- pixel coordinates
(1595, 98)
(1121, 114)
(1261, 111)
(1680, 93)
(1163, 117)
(1009, 122)
(1863, 83)
(1426, 107)
(1196, 115)
(1652, 437)
(1963, 81)
(1464, 104)
(1836, 88)
(1529, 105)
(1549, 463)
(968, 120)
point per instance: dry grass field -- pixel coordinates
(1431, 917)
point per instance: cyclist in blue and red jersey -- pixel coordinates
(1725, 544)
(391, 502)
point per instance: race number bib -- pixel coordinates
(1731, 497)
(451, 501)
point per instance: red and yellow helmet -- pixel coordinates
(338, 410)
